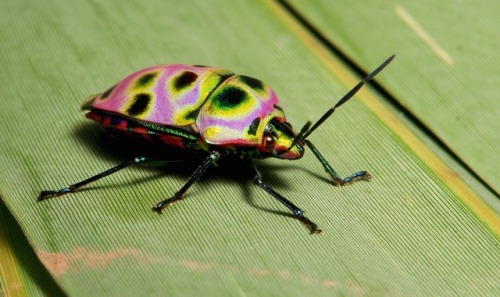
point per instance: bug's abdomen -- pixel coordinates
(164, 95)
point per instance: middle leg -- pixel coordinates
(214, 156)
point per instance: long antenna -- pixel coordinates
(298, 137)
(346, 97)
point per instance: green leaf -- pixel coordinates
(447, 70)
(21, 273)
(415, 230)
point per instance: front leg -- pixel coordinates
(297, 212)
(336, 179)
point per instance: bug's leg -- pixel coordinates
(297, 212)
(214, 156)
(337, 180)
(75, 187)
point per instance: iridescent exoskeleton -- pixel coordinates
(212, 110)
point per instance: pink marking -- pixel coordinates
(163, 109)
(120, 95)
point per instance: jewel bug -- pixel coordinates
(212, 110)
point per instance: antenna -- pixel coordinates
(299, 136)
(344, 99)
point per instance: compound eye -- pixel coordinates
(269, 142)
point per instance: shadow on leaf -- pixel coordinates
(180, 163)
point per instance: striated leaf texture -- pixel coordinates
(416, 229)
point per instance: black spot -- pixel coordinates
(192, 114)
(145, 80)
(224, 77)
(140, 105)
(252, 82)
(184, 80)
(115, 121)
(229, 97)
(201, 66)
(254, 126)
(107, 92)
(283, 127)
(278, 107)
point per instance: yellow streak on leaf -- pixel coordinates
(12, 284)
(447, 176)
(424, 35)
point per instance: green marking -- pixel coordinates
(169, 130)
(145, 80)
(229, 98)
(191, 115)
(254, 126)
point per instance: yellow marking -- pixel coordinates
(412, 23)
(447, 175)
(211, 132)
(11, 282)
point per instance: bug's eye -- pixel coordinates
(269, 142)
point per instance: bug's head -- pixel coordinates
(278, 141)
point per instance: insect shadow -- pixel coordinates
(178, 163)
